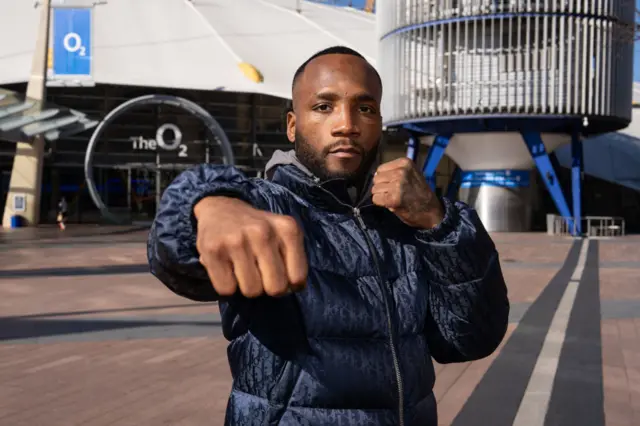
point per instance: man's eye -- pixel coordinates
(322, 108)
(367, 109)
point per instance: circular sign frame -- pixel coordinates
(214, 128)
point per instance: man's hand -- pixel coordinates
(249, 250)
(400, 187)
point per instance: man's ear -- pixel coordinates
(291, 126)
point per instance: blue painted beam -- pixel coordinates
(436, 151)
(541, 158)
(415, 129)
(414, 148)
(454, 184)
(576, 181)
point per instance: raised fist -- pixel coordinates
(249, 250)
(401, 188)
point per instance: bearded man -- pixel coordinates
(338, 280)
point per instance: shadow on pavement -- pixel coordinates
(38, 234)
(129, 328)
(77, 271)
(107, 311)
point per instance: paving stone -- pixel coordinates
(115, 373)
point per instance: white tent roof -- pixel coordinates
(195, 45)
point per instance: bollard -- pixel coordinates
(16, 221)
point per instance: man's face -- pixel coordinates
(336, 124)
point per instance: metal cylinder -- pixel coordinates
(443, 59)
(501, 209)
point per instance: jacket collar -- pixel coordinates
(332, 194)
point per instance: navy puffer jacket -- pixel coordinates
(382, 299)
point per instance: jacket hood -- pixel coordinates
(280, 158)
(336, 187)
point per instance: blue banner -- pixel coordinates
(502, 178)
(72, 42)
(356, 4)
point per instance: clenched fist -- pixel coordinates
(401, 188)
(249, 250)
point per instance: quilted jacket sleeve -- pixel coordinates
(468, 304)
(171, 247)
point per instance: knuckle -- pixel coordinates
(234, 241)
(211, 247)
(299, 278)
(252, 292)
(225, 290)
(406, 162)
(289, 227)
(261, 231)
(278, 289)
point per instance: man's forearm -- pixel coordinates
(468, 300)
(468, 320)
(171, 250)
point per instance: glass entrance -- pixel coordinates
(141, 188)
(144, 185)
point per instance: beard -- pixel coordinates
(315, 161)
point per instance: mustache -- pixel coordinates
(343, 144)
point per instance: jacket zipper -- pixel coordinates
(392, 341)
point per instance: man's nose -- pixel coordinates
(346, 123)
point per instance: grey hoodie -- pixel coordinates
(286, 157)
(289, 157)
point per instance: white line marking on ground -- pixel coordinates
(535, 403)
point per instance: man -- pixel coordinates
(337, 280)
(63, 207)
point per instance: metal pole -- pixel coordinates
(576, 180)
(413, 147)
(26, 175)
(158, 183)
(298, 8)
(129, 188)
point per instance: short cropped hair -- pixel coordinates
(335, 50)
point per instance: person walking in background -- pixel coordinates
(338, 279)
(62, 213)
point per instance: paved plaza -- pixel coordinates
(89, 337)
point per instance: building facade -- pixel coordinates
(499, 85)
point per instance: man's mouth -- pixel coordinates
(345, 152)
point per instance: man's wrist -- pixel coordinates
(212, 203)
(433, 216)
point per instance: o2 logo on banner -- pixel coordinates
(160, 142)
(71, 62)
(72, 43)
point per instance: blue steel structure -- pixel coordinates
(541, 158)
(545, 73)
(434, 156)
(454, 184)
(576, 180)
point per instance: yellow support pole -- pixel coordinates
(26, 175)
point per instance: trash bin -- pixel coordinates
(16, 221)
